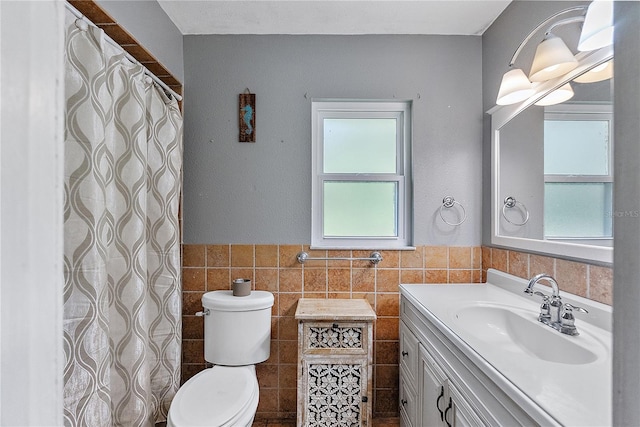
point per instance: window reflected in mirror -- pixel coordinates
(578, 172)
(557, 160)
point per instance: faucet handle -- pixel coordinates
(545, 308)
(567, 321)
(570, 307)
(540, 294)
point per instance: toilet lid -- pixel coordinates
(214, 396)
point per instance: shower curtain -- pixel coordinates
(122, 295)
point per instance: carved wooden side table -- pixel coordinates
(335, 357)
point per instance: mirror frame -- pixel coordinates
(500, 116)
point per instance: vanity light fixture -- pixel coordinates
(597, 30)
(515, 87)
(558, 96)
(597, 74)
(553, 58)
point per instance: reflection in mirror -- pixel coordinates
(555, 161)
(553, 164)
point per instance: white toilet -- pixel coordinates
(237, 335)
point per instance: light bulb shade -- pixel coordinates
(515, 87)
(597, 74)
(553, 58)
(558, 96)
(597, 30)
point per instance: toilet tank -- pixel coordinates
(237, 330)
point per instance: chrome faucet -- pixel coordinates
(553, 312)
(543, 276)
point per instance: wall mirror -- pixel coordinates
(552, 170)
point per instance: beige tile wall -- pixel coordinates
(274, 268)
(589, 281)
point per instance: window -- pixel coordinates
(578, 172)
(361, 186)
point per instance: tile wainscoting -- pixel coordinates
(274, 268)
(589, 281)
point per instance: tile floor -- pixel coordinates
(377, 422)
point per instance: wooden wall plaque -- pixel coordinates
(247, 117)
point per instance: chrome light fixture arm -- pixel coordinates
(547, 22)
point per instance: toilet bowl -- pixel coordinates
(237, 335)
(222, 396)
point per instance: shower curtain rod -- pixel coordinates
(153, 77)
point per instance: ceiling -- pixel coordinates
(462, 17)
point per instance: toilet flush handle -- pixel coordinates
(203, 313)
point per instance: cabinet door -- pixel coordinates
(409, 353)
(432, 382)
(461, 413)
(334, 392)
(408, 403)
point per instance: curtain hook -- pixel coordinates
(82, 24)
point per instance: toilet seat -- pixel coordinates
(222, 396)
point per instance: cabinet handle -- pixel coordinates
(405, 353)
(438, 403)
(404, 402)
(446, 411)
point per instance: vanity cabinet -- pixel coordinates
(427, 396)
(441, 387)
(335, 358)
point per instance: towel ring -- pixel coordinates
(448, 202)
(511, 202)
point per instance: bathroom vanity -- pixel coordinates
(335, 355)
(476, 354)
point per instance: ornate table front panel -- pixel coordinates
(335, 392)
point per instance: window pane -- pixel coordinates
(359, 146)
(360, 209)
(576, 147)
(578, 210)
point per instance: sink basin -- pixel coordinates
(517, 330)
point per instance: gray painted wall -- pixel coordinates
(150, 25)
(626, 289)
(260, 192)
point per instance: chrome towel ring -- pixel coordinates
(511, 202)
(448, 202)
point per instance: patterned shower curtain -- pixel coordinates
(122, 295)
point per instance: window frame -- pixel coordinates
(582, 112)
(340, 109)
